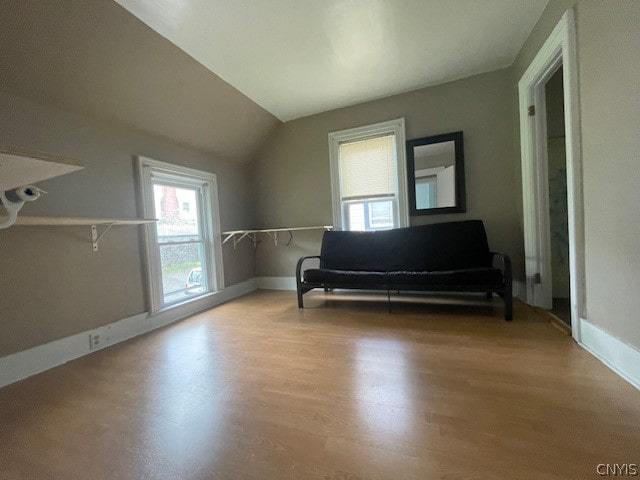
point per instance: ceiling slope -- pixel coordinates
(299, 57)
(94, 57)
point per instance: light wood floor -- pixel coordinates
(258, 389)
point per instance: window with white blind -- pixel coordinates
(368, 177)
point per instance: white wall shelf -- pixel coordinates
(237, 235)
(19, 167)
(80, 221)
(94, 223)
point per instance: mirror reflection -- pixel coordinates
(434, 167)
(436, 174)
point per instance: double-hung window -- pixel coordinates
(368, 177)
(184, 258)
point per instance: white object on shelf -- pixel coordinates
(20, 167)
(80, 221)
(13, 200)
(238, 235)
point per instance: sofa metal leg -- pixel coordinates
(508, 307)
(300, 302)
(489, 295)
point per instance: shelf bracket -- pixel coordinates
(236, 240)
(95, 238)
(229, 237)
(236, 236)
(273, 235)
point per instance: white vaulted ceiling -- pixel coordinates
(299, 57)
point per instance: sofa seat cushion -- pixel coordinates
(345, 277)
(467, 277)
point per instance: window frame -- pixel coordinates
(395, 127)
(149, 173)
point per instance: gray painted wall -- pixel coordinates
(51, 283)
(95, 58)
(292, 181)
(608, 35)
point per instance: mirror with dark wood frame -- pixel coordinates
(435, 173)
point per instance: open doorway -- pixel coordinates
(551, 173)
(558, 207)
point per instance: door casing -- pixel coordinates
(558, 50)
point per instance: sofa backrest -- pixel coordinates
(431, 248)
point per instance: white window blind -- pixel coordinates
(368, 168)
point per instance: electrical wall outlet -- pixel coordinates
(100, 338)
(95, 341)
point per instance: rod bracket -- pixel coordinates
(95, 238)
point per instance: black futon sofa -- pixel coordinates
(442, 257)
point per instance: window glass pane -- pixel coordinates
(182, 273)
(177, 212)
(355, 216)
(381, 215)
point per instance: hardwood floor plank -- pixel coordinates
(259, 389)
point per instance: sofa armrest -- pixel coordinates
(506, 267)
(299, 268)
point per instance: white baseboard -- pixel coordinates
(520, 290)
(206, 302)
(26, 363)
(276, 283)
(620, 357)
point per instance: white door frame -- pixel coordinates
(559, 49)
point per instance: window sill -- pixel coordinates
(185, 303)
(178, 311)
